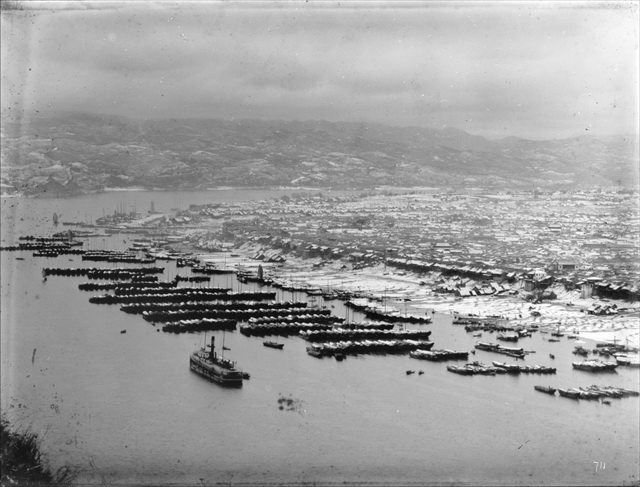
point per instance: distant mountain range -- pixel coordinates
(78, 152)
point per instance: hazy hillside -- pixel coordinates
(88, 153)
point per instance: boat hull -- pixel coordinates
(569, 393)
(545, 389)
(595, 366)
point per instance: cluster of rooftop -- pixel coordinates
(578, 237)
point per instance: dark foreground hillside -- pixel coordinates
(22, 463)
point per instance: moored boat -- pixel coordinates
(557, 333)
(271, 344)
(217, 369)
(595, 365)
(527, 369)
(627, 359)
(475, 368)
(546, 389)
(459, 370)
(315, 351)
(497, 348)
(569, 393)
(579, 350)
(512, 368)
(439, 355)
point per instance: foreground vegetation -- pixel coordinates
(21, 461)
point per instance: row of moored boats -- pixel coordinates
(591, 392)
(351, 347)
(337, 334)
(172, 297)
(477, 368)
(101, 273)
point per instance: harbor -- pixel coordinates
(332, 392)
(321, 244)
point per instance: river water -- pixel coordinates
(125, 408)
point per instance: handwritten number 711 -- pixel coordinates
(599, 465)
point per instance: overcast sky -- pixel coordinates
(530, 69)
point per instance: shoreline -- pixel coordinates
(401, 290)
(140, 189)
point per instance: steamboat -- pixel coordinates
(217, 369)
